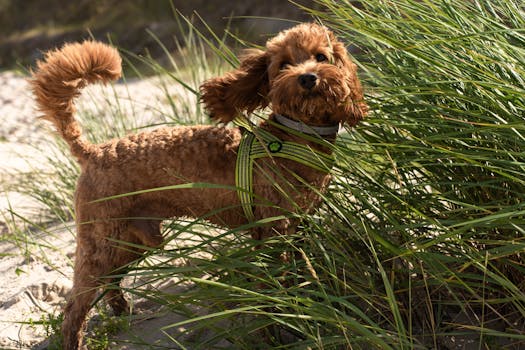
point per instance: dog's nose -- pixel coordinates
(308, 80)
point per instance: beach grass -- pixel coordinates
(420, 241)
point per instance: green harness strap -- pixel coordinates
(258, 143)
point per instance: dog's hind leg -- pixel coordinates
(82, 295)
(100, 260)
(114, 296)
(147, 234)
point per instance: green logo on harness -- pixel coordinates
(274, 146)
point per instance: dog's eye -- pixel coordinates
(320, 57)
(285, 65)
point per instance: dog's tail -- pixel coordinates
(59, 79)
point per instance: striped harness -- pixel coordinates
(258, 143)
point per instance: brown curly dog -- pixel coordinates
(304, 76)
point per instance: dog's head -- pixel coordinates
(304, 74)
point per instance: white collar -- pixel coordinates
(307, 129)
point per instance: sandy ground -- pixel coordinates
(35, 278)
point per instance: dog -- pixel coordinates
(304, 76)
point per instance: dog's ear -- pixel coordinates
(242, 90)
(355, 108)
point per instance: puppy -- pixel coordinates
(304, 76)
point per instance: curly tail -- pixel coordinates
(59, 79)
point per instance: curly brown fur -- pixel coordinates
(166, 156)
(270, 78)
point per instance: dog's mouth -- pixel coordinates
(311, 94)
(312, 107)
(327, 89)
